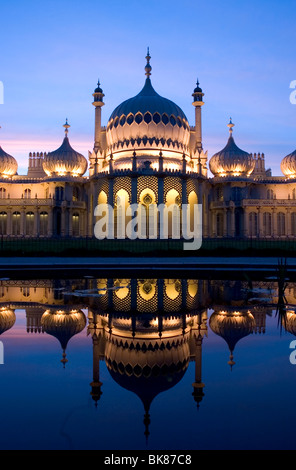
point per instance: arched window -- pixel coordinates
(173, 203)
(2, 193)
(76, 194)
(293, 224)
(281, 224)
(219, 224)
(219, 193)
(43, 224)
(59, 193)
(3, 223)
(29, 224)
(27, 193)
(267, 224)
(16, 223)
(236, 194)
(253, 224)
(75, 225)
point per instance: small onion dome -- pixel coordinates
(147, 121)
(8, 164)
(288, 165)
(289, 322)
(232, 326)
(65, 160)
(7, 319)
(232, 161)
(63, 325)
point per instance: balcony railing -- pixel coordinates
(42, 202)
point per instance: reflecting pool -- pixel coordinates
(173, 364)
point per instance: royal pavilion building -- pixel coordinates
(147, 154)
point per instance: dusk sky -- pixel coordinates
(53, 52)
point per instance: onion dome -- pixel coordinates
(288, 165)
(148, 121)
(63, 325)
(232, 161)
(232, 326)
(8, 164)
(65, 161)
(7, 319)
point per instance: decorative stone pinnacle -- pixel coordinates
(148, 67)
(67, 127)
(230, 126)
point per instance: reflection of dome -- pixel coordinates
(289, 322)
(63, 325)
(232, 326)
(148, 121)
(288, 165)
(232, 161)
(148, 367)
(8, 164)
(7, 319)
(65, 160)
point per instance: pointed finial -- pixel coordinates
(230, 126)
(148, 67)
(66, 127)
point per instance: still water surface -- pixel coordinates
(174, 364)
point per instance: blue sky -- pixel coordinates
(52, 54)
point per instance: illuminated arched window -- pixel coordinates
(43, 224)
(121, 203)
(281, 224)
(267, 224)
(16, 223)
(3, 223)
(29, 224)
(75, 225)
(173, 203)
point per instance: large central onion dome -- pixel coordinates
(232, 161)
(147, 122)
(65, 161)
(8, 164)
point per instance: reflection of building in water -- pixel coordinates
(7, 319)
(147, 332)
(239, 310)
(63, 324)
(232, 326)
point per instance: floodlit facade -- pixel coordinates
(148, 154)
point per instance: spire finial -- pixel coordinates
(230, 126)
(148, 67)
(67, 127)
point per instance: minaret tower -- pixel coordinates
(198, 103)
(98, 103)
